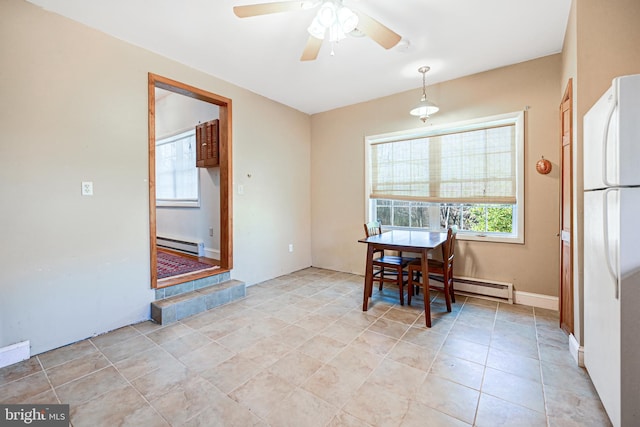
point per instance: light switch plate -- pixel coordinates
(87, 188)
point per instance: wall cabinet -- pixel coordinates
(208, 143)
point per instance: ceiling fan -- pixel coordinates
(332, 18)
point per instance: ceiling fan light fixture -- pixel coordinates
(336, 18)
(347, 19)
(425, 107)
(316, 29)
(330, 16)
(326, 14)
(335, 33)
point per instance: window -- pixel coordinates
(465, 174)
(177, 178)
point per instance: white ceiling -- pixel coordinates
(454, 37)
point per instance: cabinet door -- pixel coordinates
(207, 140)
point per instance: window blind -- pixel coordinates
(471, 166)
(176, 172)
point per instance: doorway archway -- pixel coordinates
(225, 156)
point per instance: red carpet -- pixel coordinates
(170, 265)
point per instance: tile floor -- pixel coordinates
(299, 351)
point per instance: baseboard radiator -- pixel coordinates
(188, 247)
(481, 288)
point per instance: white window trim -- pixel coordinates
(179, 203)
(516, 118)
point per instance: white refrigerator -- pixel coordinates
(612, 249)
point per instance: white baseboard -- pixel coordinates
(576, 350)
(536, 300)
(14, 353)
(212, 253)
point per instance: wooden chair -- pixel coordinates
(443, 268)
(387, 268)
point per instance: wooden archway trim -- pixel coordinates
(226, 186)
(566, 210)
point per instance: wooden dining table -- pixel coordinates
(414, 241)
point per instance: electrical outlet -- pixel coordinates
(87, 188)
(290, 247)
(210, 232)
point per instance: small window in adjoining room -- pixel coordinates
(465, 174)
(177, 178)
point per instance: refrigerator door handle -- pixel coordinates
(605, 140)
(605, 230)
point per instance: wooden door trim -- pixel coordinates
(226, 190)
(566, 106)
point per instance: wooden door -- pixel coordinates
(566, 212)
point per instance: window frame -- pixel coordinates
(515, 118)
(179, 203)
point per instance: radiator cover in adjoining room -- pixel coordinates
(186, 246)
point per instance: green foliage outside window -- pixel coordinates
(495, 219)
(471, 217)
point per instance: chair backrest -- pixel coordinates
(372, 228)
(449, 246)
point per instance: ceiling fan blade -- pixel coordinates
(274, 7)
(377, 32)
(312, 49)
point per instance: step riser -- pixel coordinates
(192, 285)
(181, 306)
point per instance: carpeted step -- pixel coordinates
(174, 308)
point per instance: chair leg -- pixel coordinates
(414, 284)
(453, 295)
(427, 301)
(401, 286)
(381, 279)
(447, 291)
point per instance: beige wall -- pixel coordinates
(337, 170)
(608, 38)
(601, 43)
(73, 107)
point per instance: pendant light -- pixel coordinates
(425, 108)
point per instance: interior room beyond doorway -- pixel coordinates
(189, 206)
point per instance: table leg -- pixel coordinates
(368, 278)
(425, 288)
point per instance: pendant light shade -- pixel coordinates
(425, 107)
